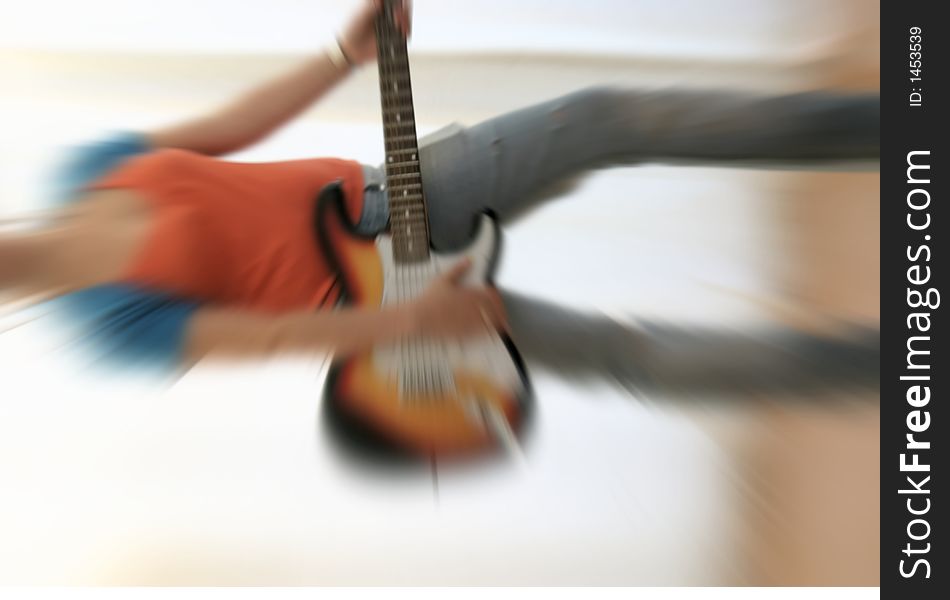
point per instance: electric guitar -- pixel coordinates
(429, 397)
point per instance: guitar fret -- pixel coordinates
(402, 138)
(403, 151)
(404, 200)
(408, 218)
(411, 149)
(402, 176)
(397, 114)
(399, 164)
(395, 99)
(405, 128)
(390, 109)
(396, 117)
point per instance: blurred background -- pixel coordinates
(224, 477)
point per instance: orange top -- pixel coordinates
(239, 234)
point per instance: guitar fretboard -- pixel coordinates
(409, 223)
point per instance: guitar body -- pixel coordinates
(424, 396)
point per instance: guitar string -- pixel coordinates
(421, 352)
(402, 239)
(432, 379)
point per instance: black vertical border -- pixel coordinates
(906, 128)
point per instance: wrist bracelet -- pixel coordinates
(337, 56)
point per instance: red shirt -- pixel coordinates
(237, 234)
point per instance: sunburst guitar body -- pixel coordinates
(424, 396)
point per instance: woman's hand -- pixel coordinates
(449, 309)
(262, 109)
(358, 39)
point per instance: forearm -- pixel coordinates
(447, 309)
(343, 331)
(259, 111)
(245, 334)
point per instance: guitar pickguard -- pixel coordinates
(426, 368)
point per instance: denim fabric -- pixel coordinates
(118, 323)
(512, 162)
(84, 164)
(375, 214)
(123, 325)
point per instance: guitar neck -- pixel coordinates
(409, 222)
